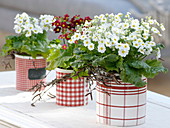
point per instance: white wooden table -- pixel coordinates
(15, 108)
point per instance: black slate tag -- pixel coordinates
(36, 73)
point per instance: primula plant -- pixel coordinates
(119, 44)
(62, 55)
(32, 36)
(109, 48)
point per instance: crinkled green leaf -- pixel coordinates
(139, 64)
(131, 75)
(155, 68)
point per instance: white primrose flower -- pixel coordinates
(128, 14)
(142, 44)
(142, 50)
(156, 22)
(96, 17)
(152, 43)
(17, 16)
(72, 40)
(87, 23)
(28, 22)
(148, 44)
(91, 46)
(117, 18)
(148, 51)
(136, 44)
(104, 20)
(84, 29)
(126, 47)
(155, 30)
(86, 42)
(77, 36)
(83, 37)
(95, 37)
(19, 21)
(101, 48)
(120, 14)
(24, 15)
(132, 36)
(115, 39)
(151, 21)
(111, 15)
(126, 38)
(17, 29)
(162, 27)
(146, 24)
(28, 33)
(119, 46)
(140, 29)
(101, 42)
(123, 52)
(35, 21)
(29, 27)
(139, 40)
(135, 24)
(114, 43)
(101, 16)
(125, 25)
(108, 34)
(37, 29)
(145, 36)
(108, 43)
(26, 28)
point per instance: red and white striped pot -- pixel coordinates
(71, 92)
(24, 65)
(121, 105)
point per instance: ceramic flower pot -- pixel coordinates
(121, 105)
(29, 71)
(71, 92)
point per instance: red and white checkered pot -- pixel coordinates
(121, 105)
(71, 92)
(22, 66)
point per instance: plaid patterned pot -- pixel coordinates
(71, 92)
(29, 71)
(121, 105)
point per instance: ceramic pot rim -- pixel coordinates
(28, 57)
(63, 70)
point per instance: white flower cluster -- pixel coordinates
(24, 24)
(118, 32)
(46, 22)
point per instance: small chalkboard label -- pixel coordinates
(36, 73)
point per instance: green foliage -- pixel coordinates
(35, 45)
(61, 58)
(131, 75)
(134, 70)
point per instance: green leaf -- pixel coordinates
(111, 58)
(54, 54)
(77, 64)
(155, 68)
(153, 63)
(139, 64)
(160, 45)
(131, 75)
(17, 45)
(87, 57)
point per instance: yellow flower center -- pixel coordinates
(86, 42)
(101, 48)
(123, 51)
